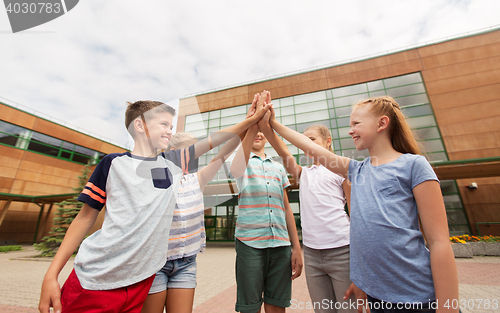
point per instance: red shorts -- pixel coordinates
(75, 299)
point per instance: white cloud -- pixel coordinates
(84, 66)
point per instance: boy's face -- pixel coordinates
(160, 129)
(259, 142)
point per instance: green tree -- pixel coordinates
(66, 212)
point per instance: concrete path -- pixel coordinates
(20, 281)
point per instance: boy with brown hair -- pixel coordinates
(115, 266)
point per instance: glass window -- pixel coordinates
(312, 116)
(213, 130)
(330, 103)
(241, 109)
(81, 158)
(68, 146)
(347, 143)
(194, 118)
(334, 131)
(46, 139)
(194, 126)
(410, 100)
(303, 126)
(349, 90)
(350, 101)
(379, 93)
(277, 111)
(202, 160)
(11, 129)
(433, 145)
(376, 85)
(343, 121)
(286, 101)
(231, 120)
(452, 201)
(199, 133)
(44, 144)
(417, 110)
(344, 111)
(293, 149)
(423, 121)
(435, 157)
(311, 106)
(287, 111)
(270, 151)
(448, 186)
(343, 132)
(456, 230)
(214, 123)
(427, 133)
(214, 114)
(304, 160)
(310, 97)
(336, 144)
(288, 120)
(406, 90)
(65, 154)
(403, 80)
(7, 139)
(85, 151)
(456, 216)
(332, 118)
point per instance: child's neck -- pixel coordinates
(383, 153)
(144, 150)
(260, 153)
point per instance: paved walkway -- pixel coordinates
(20, 282)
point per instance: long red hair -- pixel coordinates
(402, 136)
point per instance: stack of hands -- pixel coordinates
(262, 110)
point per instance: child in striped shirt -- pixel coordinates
(265, 264)
(174, 285)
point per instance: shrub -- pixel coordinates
(10, 248)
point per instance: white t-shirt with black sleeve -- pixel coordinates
(139, 194)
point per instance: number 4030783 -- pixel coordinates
(33, 8)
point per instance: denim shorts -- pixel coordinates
(178, 273)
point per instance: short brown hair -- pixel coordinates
(136, 109)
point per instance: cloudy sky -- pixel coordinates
(83, 67)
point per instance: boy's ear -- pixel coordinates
(138, 125)
(383, 123)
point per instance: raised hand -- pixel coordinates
(262, 104)
(251, 109)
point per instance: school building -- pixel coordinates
(40, 162)
(449, 90)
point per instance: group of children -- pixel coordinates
(144, 256)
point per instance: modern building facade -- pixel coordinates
(449, 91)
(40, 162)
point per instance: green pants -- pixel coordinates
(262, 275)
